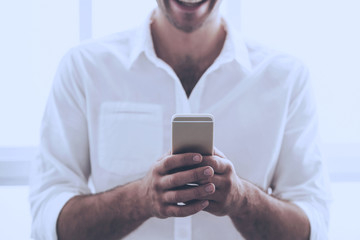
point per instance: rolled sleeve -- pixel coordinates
(301, 175)
(318, 214)
(62, 168)
(44, 225)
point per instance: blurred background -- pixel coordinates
(35, 34)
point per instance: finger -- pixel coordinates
(217, 196)
(215, 208)
(189, 194)
(220, 181)
(217, 152)
(182, 178)
(172, 162)
(168, 153)
(217, 180)
(220, 165)
(186, 210)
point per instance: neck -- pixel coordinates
(176, 47)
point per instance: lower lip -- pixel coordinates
(187, 8)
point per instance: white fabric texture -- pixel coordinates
(108, 119)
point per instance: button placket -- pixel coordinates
(182, 228)
(195, 97)
(181, 100)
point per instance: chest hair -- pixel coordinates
(189, 74)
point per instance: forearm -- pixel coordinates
(264, 217)
(109, 215)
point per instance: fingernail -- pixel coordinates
(197, 158)
(209, 189)
(205, 204)
(208, 172)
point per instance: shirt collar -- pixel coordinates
(234, 46)
(142, 41)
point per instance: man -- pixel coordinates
(108, 122)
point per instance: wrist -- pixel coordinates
(243, 200)
(132, 199)
(143, 199)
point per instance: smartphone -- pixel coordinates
(193, 133)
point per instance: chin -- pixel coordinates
(191, 19)
(187, 28)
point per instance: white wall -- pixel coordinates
(34, 36)
(324, 34)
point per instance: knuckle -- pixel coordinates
(185, 158)
(215, 165)
(229, 166)
(170, 181)
(171, 212)
(157, 185)
(167, 163)
(177, 197)
(194, 175)
(158, 165)
(199, 192)
(165, 198)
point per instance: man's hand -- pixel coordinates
(164, 186)
(254, 213)
(228, 185)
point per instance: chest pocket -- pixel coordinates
(130, 137)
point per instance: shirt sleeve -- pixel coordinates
(301, 176)
(61, 168)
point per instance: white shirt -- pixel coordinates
(108, 120)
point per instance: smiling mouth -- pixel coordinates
(190, 3)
